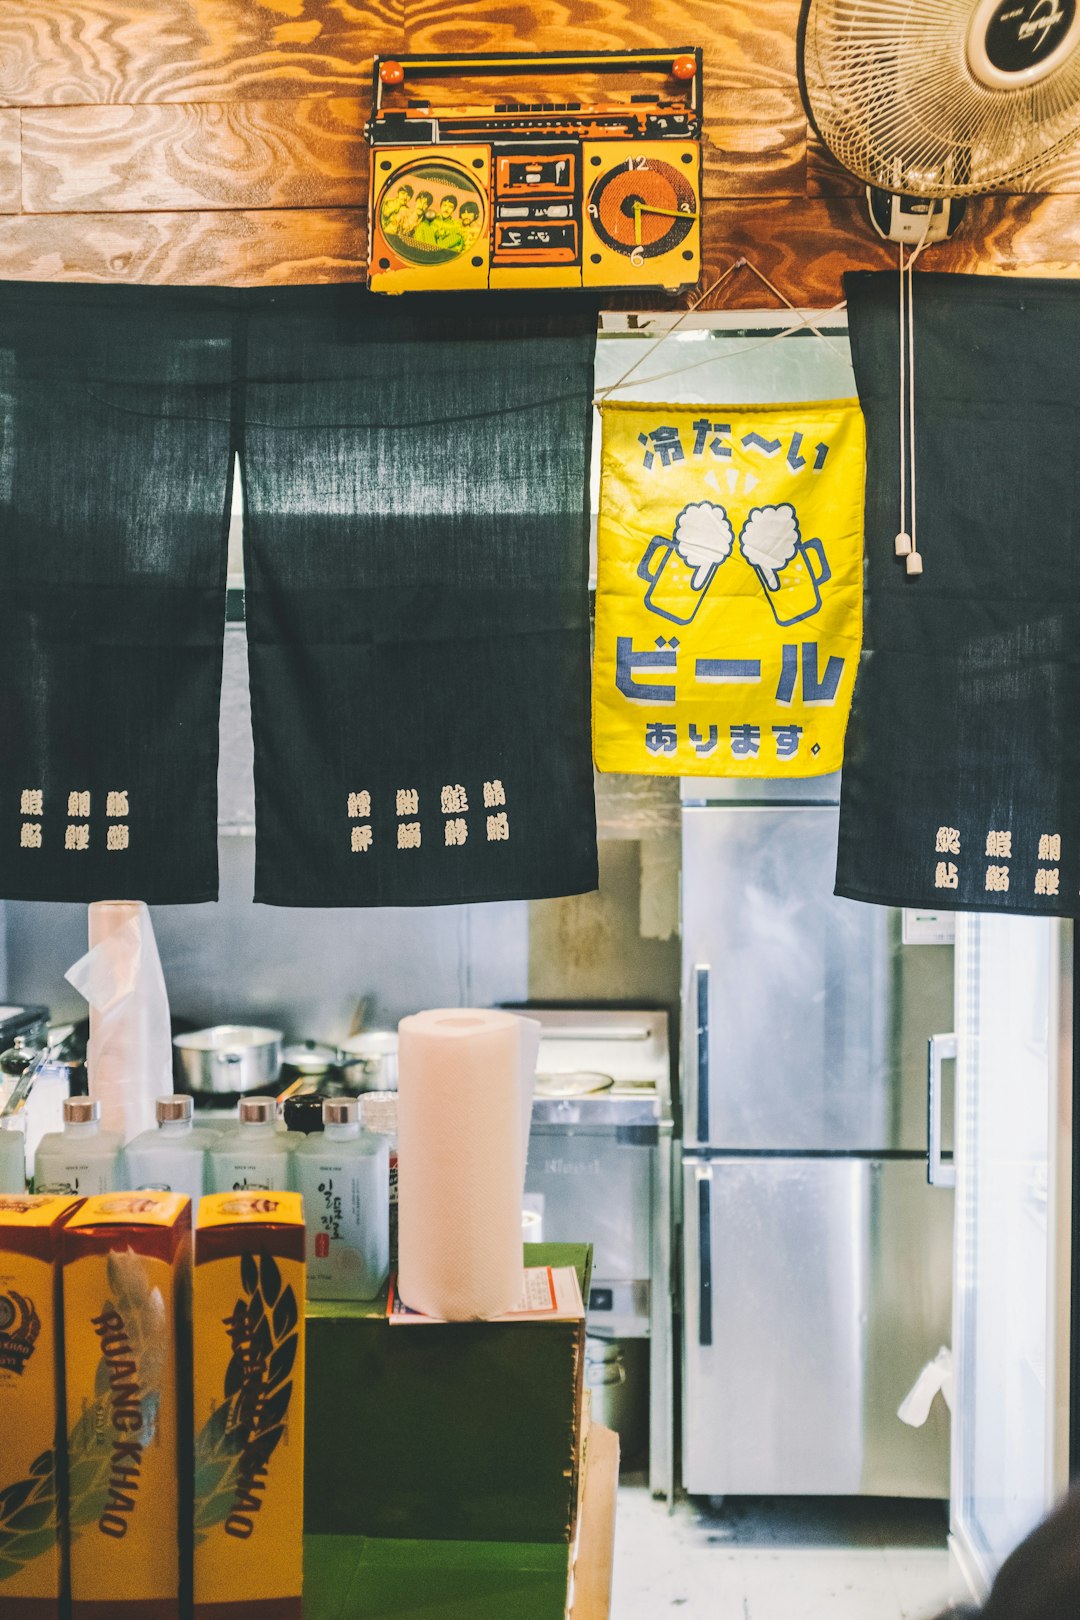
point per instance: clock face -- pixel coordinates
(643, 207)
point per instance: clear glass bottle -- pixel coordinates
(343, 1176)
(251, 1153)
(172, 1157)
(12, 1158)
(81, 1158)
(45, 1084)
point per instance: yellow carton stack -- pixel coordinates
(249, 1406)
(126, 1278)
(31, 1406)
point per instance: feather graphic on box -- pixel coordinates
(28, 1517)
(234, 1446)
(90, 1451)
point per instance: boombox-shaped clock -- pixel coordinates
(601, 192)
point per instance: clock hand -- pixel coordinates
(668, 213)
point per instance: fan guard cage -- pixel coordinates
(906, 96)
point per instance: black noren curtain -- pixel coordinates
(416, 550)
(114, 467)
(415, 473)
(961, 784)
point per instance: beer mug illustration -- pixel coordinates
(702, 540)
(784, 562)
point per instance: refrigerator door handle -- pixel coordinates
(704, 1192)
(701, 1076)
(940, 1049)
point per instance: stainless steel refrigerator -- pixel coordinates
(817, 1260)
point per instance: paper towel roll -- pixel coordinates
(465, 1080)
(129, 1054)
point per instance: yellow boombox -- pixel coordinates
(602, 192)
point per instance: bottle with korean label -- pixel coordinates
(171, 1158)
(253, 1153)
(81, 1158)
(343, 1174)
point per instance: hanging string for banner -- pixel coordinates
(802, 323)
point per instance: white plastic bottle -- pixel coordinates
(173, 1156)
(12, 1158)
(81, 1158)
(343, 1174)
(251, 1153)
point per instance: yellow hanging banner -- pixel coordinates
(729, 592)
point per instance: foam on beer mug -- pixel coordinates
(703, 538)
(769, 540)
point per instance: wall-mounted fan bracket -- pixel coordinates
(898, 218)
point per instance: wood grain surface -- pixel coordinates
(222, 141)
(56, 52)
(10, 163)
(239, 249)
(755, 144)
(240, 154)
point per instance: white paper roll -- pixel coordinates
(129, 1054)
(465, 1084)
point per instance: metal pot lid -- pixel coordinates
(573, 1083)
(225, 1038)
(310, 1057)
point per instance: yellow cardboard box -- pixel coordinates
(126, 1279)
(31, 1406)
(248, 1325)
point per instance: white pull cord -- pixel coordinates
(907, 543)
(903, 538)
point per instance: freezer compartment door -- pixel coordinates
(816, 1291)
(786, 988)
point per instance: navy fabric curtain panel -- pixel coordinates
(114, 473)
(961, 781)
(416, 479)
(416, 544)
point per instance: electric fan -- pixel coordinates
(940, 99)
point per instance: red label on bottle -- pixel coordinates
(322, 1245)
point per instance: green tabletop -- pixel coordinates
(578, 1255)
(364, 1578)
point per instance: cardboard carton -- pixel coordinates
(31, 1406)
(248, 1324)
(476, 1425)
(126, 1280)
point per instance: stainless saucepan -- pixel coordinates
(228, 1058)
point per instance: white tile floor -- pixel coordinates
(779, 1559)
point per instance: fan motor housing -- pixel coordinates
(1011, 43)
(904, 219)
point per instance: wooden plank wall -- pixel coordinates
(220, 141)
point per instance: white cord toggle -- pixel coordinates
(913, 565)
(903, 544)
